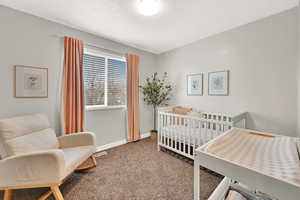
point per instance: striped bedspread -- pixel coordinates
(276, 157)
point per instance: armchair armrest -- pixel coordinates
(77, 139)
(35, 168)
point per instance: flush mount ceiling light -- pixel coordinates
(148, 7)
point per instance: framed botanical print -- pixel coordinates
(218, 83)
(31, 82)
(195, 84)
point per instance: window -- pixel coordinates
(104, 81)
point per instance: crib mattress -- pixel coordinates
(182, 134)
(277, 157)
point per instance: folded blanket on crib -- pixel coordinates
(181, 110)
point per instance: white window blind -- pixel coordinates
(116, 82)
(104, 80)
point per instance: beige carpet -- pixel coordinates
(135, 171)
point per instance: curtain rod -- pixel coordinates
(95, 46)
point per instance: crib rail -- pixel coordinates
(183, 133)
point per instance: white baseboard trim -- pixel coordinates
(145, 135)
(111, 145)
(118, 143)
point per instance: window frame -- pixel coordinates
(106, 56)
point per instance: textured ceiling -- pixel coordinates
(180, 22)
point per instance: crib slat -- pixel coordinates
(200, 133)
(162, 128)
(176, 131)
(206, 131)
(179, 135)
(212, 124)
(195, 136)
(229, 122)
(220, 125)
(182, 138)
(213, 127)
(173, 131)
(189, 136)
(224, 126)
(217, 126)
(170, 130)
(165, 131)
(186, 136)
(224, 120)
(207, 128)
(159, 129)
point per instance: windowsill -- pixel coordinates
(92, 108)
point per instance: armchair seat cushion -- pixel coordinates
(75, 156)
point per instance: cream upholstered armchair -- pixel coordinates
(32, 155)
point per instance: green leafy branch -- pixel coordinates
(156, 90)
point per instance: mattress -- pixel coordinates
(276, 157)
(187, 134)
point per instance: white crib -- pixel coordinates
(183, 133)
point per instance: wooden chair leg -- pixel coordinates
(45, 195)
(88, 164)
(8, 194)
(56, 192)
(94, 161)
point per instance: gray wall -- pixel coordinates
(262, 59)
(29, 40)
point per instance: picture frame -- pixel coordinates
(218, 83)
(30, 82)
(195, 84)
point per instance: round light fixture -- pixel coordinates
(148, 7)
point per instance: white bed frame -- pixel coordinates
(185, 142)
(280, 188)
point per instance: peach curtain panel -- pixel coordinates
(133, 97)
(73, 86)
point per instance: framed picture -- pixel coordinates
(218, 83)
(195, 85)
(31, 82)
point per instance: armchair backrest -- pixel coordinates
(26, 134)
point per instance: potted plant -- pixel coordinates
(156, 93)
